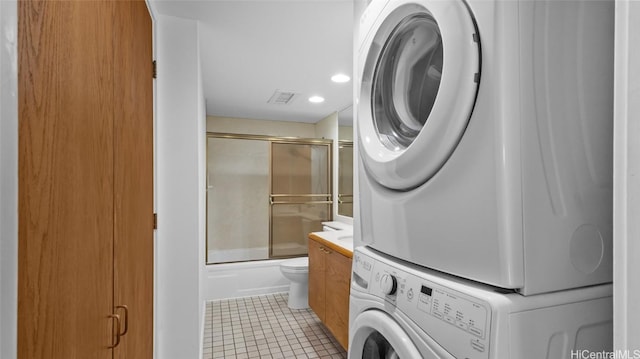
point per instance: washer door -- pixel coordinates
(377, 336)
(419, 70)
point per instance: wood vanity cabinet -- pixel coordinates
(329, 285)
(316, 278)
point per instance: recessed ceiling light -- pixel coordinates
(340, 78)
(316, 99)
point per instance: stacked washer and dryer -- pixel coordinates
(484, 133)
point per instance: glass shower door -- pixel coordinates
(237, 195)
(300, 195)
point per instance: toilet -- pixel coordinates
(297, 271)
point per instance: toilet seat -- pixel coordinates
(300, 264)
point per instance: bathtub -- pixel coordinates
(243, 279)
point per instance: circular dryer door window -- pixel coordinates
(420, 69)
(406, 80)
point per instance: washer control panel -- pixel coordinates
(457, 321)
(454, 309)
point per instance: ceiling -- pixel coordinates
(249, 49)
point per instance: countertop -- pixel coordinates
(338, 225)
(332, 240)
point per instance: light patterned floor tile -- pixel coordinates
(264, 327)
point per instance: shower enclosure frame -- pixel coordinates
(273, 197)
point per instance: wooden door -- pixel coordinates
(133, 176)
(338, 274)
(86, 179)
(65, 247)
(316, 278)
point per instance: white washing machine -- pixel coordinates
(485, 138)
(405, 311)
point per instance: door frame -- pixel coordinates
(626, 183)
(9, 179)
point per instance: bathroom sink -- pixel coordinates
(346, 238)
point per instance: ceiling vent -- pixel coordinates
(280, 97)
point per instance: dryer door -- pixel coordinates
(375, 335)
(419, 72)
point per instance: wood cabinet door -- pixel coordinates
(338, 274)
(317, 279)
(133, 176)
(65, 215)
(85, 179)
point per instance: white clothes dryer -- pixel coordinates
(485, 138)
(400, 310)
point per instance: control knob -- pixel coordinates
(389, 284)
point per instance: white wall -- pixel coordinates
(345, 133)
(358, 8)
(626, 223)
(180, 130)
(8, 179)
(327, 128)
(202, 205)
(260, 127)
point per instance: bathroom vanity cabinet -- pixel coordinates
(329, 285)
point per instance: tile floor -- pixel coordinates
(264, 327)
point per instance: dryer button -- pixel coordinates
(477, 345)
(410, 294)
(476, 331)
(449, 320)
(461, 325)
